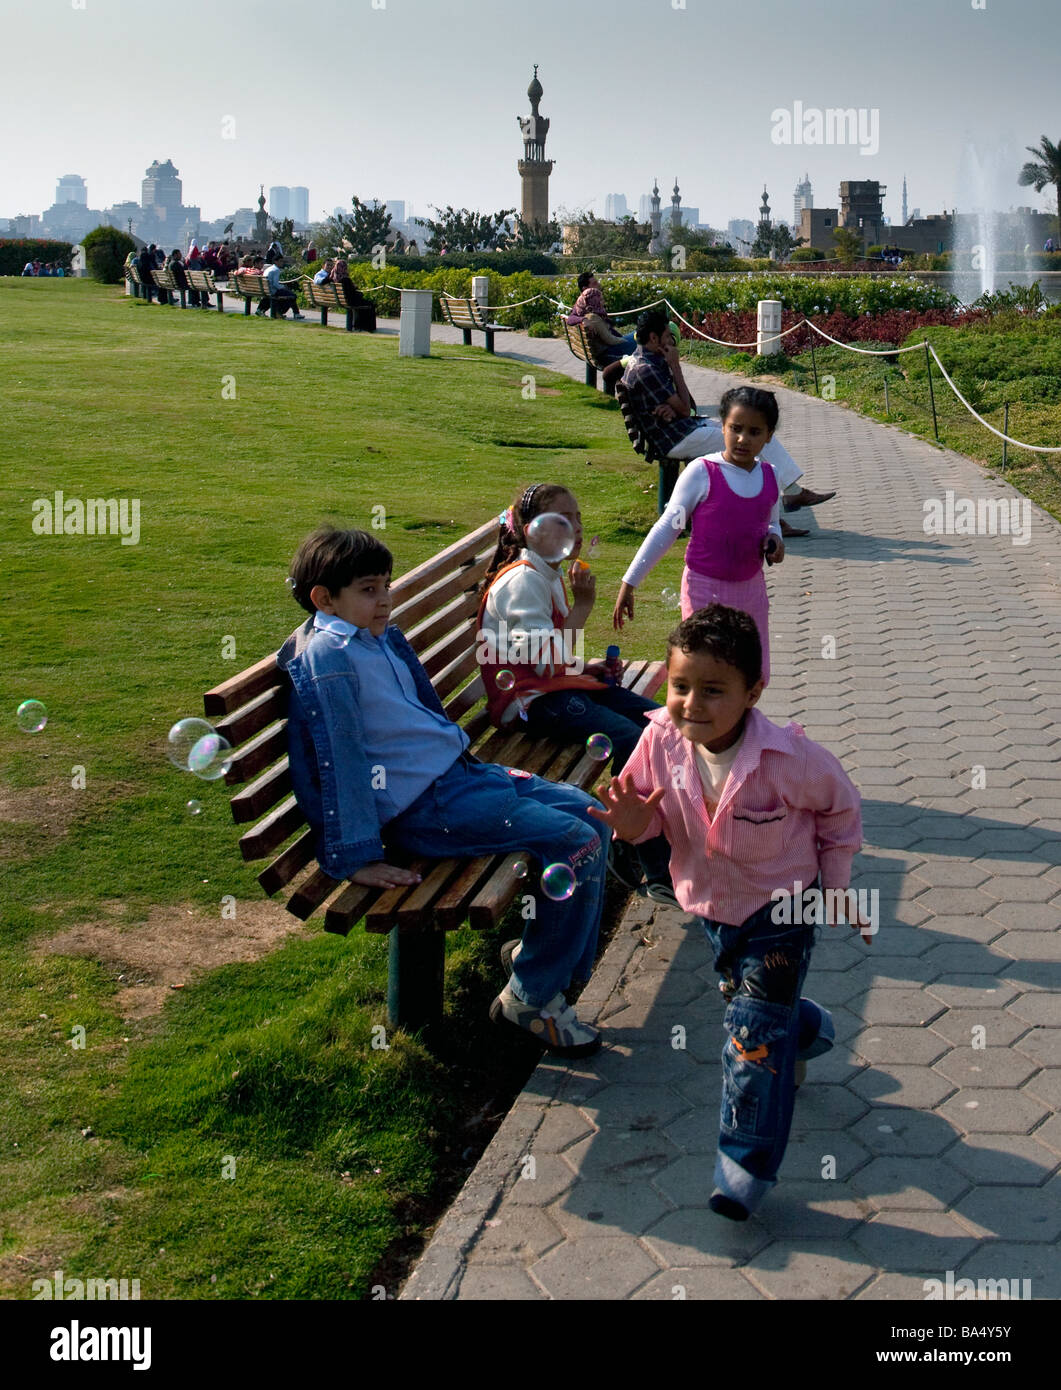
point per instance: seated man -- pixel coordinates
(661, 403)
(325, 272)
(590, 312)
(281, 298)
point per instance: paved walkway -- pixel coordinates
(928, 1140)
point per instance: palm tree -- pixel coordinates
(1043, 170)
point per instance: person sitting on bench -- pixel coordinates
(590, 312)
(660, 401)
(281, 298)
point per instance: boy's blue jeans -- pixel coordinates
(480, 808)
(768, 1026)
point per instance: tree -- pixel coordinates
(848, 243)
(537, 237)
(778, 240)
(594, 236)
(459, 229)
(105, 251)
(1043, 170)
(370, 226)
(284, 233)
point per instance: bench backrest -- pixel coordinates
(324, 296)
(436, 606)
(578, 340)
(249, 284)
(201, 280)
(463, 313)
(164, 279)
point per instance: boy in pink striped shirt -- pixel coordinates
(757, 816)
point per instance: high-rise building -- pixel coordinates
(644, 208)
(534, 168)
(72, 188)
(804, 199)
(298, 205)
(615, 207)
(905, 218)
(740, 229)
(161, 190)
(279, 202)
(396, 208)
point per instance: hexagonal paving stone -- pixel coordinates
(603, 1269)
(953, 873)
(688, 1182)
(914, 1241)
(809, 1269)
(913, 1046)
(824, 1107)
(1026, 916)
(665, 990)
(1038, 946)
(972, 991)
(1014, 1159)
(491, 1283)
(915, 1088)
(956, 900)
(1018, 1213)
(598, 1209)
(899, 1182)
(551, 1177)
(883, 970)
(964, 929)
(561, 1125)
(968, 958)
(702, 1283)
(888, 1130)
(1000, 1027)
(992, 1066)
(903, 1007)
(1043, 1045)
(697, 1237)
(893, 1288)
(621, 1154)
(641, 1107)
(1015, 1262)
(1010, 889)
(812, 1211)
(993, 1112)
(516, 1234)
(1038, 1006)
(1046, 1086)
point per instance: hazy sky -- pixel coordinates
(634, 88)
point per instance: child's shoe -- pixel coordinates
(727, 1206)
(801, 1074)
(624, 864)
(509, 952)
(554, 1026)
(661, 891)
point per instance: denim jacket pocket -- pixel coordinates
(755, 1034)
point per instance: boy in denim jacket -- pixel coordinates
(370, 746)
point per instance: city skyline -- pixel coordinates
(224, 127)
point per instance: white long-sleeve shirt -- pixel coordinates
(692, 487)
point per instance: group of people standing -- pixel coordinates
(47, 268)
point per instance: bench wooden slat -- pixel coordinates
(238, 690)
(311, 894)
(453, 675)
(420, 902)
(263, 710)
(453, 586)
(262, 794)
(497, 892)
(436, 658)
(462, 608)
(465, 700)
(458, 553)
(284, 868)
(271, 833)
(476, 725)
(262, 750)
(380, 916)
(348, 908)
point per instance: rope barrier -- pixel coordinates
(720, 341)
(1036, 448)
(867, 352)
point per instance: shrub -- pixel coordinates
(105, 251)
(14, 253)
(541, 330)
(806, 253)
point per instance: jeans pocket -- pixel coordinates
(757, 1033)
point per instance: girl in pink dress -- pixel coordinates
(732, 503)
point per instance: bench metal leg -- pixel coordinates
(247, 304)
(220, 302)
(184, 299)
(349, 320)
(489, 340)
(324, 318)
(467, 336)
(591, 376)
(416, 969)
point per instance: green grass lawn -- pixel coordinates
(1015, 359)
(245, 1140)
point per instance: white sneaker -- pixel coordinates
(554, 1026)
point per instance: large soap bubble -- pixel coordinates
(551, 536)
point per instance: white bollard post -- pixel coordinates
(768, 327)
(414, 326)
(481, 289)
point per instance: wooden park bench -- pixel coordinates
(167, 285)
(585, 348)
(436, 606)
(329, 296)
(468, 314)
(251, 287)
(205, 283)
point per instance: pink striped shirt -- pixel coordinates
(788, 812)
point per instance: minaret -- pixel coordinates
(764, 211)
(675, 206)
(534, 168)
(904, 201)
(657, 219)
(261, 220)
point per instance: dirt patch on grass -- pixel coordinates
(38, 812)
(174, 946)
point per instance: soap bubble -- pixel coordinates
(194, 808)
(558, 882)
(551, 536)
(519, 869)
(671, 598)
(332, 637)
(183, 737)
(505, 680)
(599, 746)
(31, 716)
(209, 759)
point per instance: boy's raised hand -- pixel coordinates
(624, 810)
(382, 875)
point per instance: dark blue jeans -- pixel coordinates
(572, 715)
(768, 1026)
(481, 808)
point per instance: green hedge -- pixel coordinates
(15, 253)
(106, 249)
